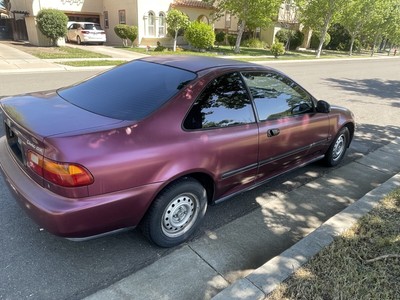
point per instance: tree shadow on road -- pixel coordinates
(389, 89)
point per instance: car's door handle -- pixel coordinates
(273, 132)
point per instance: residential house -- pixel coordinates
(148, 16)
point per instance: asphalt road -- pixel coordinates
(37, 265)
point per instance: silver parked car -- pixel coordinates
(85, 32)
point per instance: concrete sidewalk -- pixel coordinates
(248, 257)
(13, 60)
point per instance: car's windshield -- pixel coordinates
(129, 92)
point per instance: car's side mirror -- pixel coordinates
(323, 107)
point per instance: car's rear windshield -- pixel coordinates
(92, 27)
(129, 92)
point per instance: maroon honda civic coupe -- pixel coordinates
(152, 142)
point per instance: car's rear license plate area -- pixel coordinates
(14, 143)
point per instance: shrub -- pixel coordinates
(220, 37)
(282, 35)
(52, 23)
(253, 43)
(126, 32)
(314, 42)
(295, 38)
(340, 38)
(232, 40)
(277, 49)
(200, 35)
(159, 48)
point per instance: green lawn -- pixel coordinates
(65, 52)
(248, 54)
(92, 63)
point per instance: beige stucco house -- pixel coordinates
(148, 16)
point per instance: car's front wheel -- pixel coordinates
(175, 213)
(338, 148)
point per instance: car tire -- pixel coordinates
(338, 148)
(78, 40)
(176, 213)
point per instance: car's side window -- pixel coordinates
(224, 102)
(276, 96)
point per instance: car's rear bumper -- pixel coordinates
(87, 39)
(75, 218)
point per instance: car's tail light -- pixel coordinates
(85, 31)
(64, 174)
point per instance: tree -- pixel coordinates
(319, 15)
(52, 23)
(200, 35)
(251, 14)
(380, 20)
(126, 32)
(176, 21)
(354, 17)
(393, 30)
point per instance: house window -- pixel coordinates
(203, 19)
(227, 20)
(122, 16)
(151, 24)
(106, 22)
(161, 24)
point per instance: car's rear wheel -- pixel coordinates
(338, 148)
(175, 213)
(78, 40)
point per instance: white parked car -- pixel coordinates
(85, 32)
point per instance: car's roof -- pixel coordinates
(197, 63)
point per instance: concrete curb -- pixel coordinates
(266, 278)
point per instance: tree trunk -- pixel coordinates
(239, 37)
(353, 37)
(390, 49)
(175, 38)
(374, 45)
(323, 34)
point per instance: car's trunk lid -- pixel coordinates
(46, 114)
(29, 119)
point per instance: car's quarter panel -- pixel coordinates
(75, 217)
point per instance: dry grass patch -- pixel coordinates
(363, 263)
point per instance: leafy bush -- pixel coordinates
(126, 32)
(314, 42)
(52, 23)
(296, 38)
(220, 37)
(200, 35)
(277, 49)
(340, 38)
(159, 48)
(253, 43)
(282, 35)
(232, 40)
